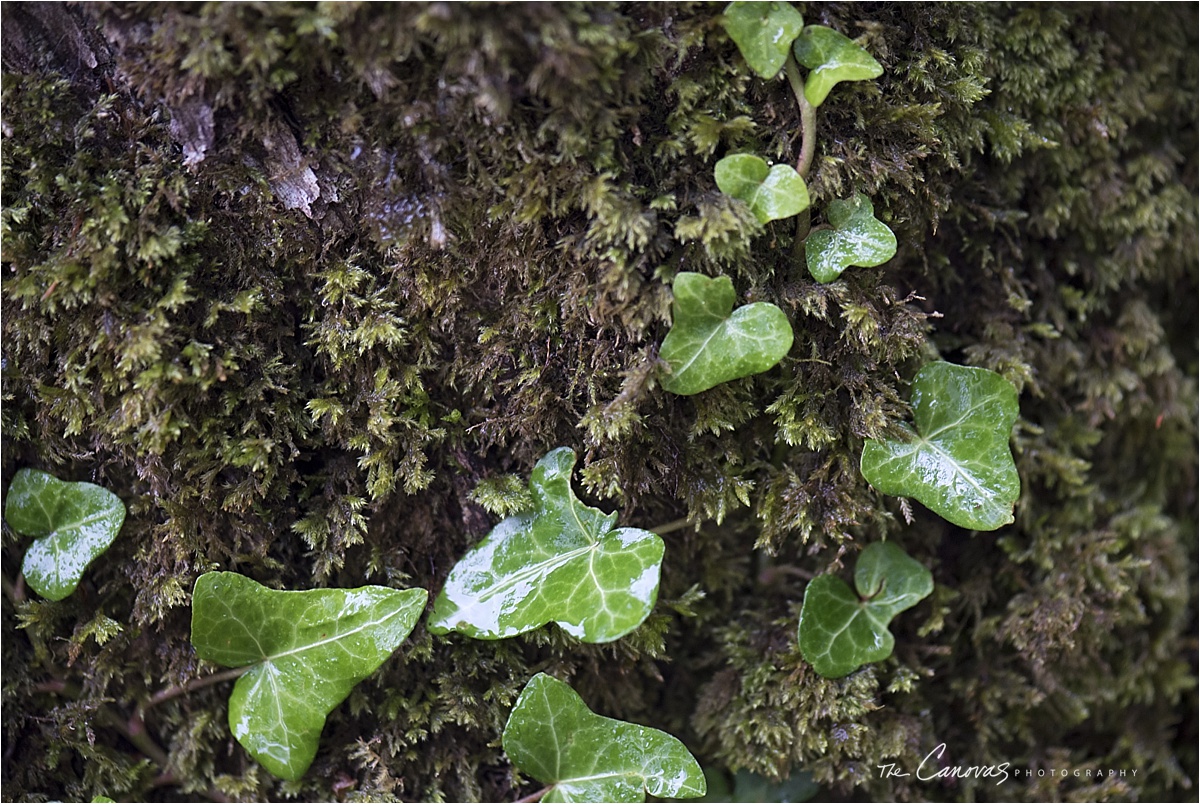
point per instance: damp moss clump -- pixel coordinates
(312, 288)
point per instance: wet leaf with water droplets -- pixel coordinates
(857, 238)
(771, 192)
(958, 462)
(763, 33)
(305, 650)
(553, 736)
(831, 57)
(73, 522)
(562, 562)
(841, 631)
(711, 343)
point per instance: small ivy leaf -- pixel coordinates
(958, 463)
(711, 343)
(841, 631)
(763, 33)
(305, 650)
(856, 239)
(553, 736)
(561, 562)
(73, 524)
(771, 193)
(831, 57)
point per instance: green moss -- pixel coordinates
(312, 287)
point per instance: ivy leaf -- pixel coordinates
(711, 343)
(305, 651)
(561, 562)
(831, 57)
(957, 463)
(771, 193)
(763, 33)
(841, 631)
(552, 736)
(73, 522)
(856, 239)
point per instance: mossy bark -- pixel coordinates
(295, 280)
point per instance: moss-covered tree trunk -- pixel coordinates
(312, 288)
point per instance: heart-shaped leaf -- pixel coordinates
(73, 524)
(856, 239)
(561, 562)
(553, 736)
(831, 57)
(763, 33)
(841, 631)
(304, 652)
(957, 463)
(770, 192)
(711, 343)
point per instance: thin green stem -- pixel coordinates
(808, 117)
(808, 146)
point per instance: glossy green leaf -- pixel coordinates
(711, 343)
(552, 736)
(763, 33)
(841, 631)
(957, 463)
(830, 58)
(856, 239)
(305, 651)
(73, 524)
(561, 562)
(770, 192)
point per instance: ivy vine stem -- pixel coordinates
(670, 527)
(14, 591)
(196, 684)
(808, 145)
(808, 117)
(535, 796)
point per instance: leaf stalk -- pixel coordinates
(176, 690)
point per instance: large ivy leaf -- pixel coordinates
(763, 33)
(561, 562)
(957, 463)
(73, 524)
(552, 736)
(770, 192)
(856, 239)
(831, 57)
(711, 343)
(841, 631)
(305, 650)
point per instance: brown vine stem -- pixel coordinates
(191, 686)
(14, 591)
(535, 796)
(670, 527)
